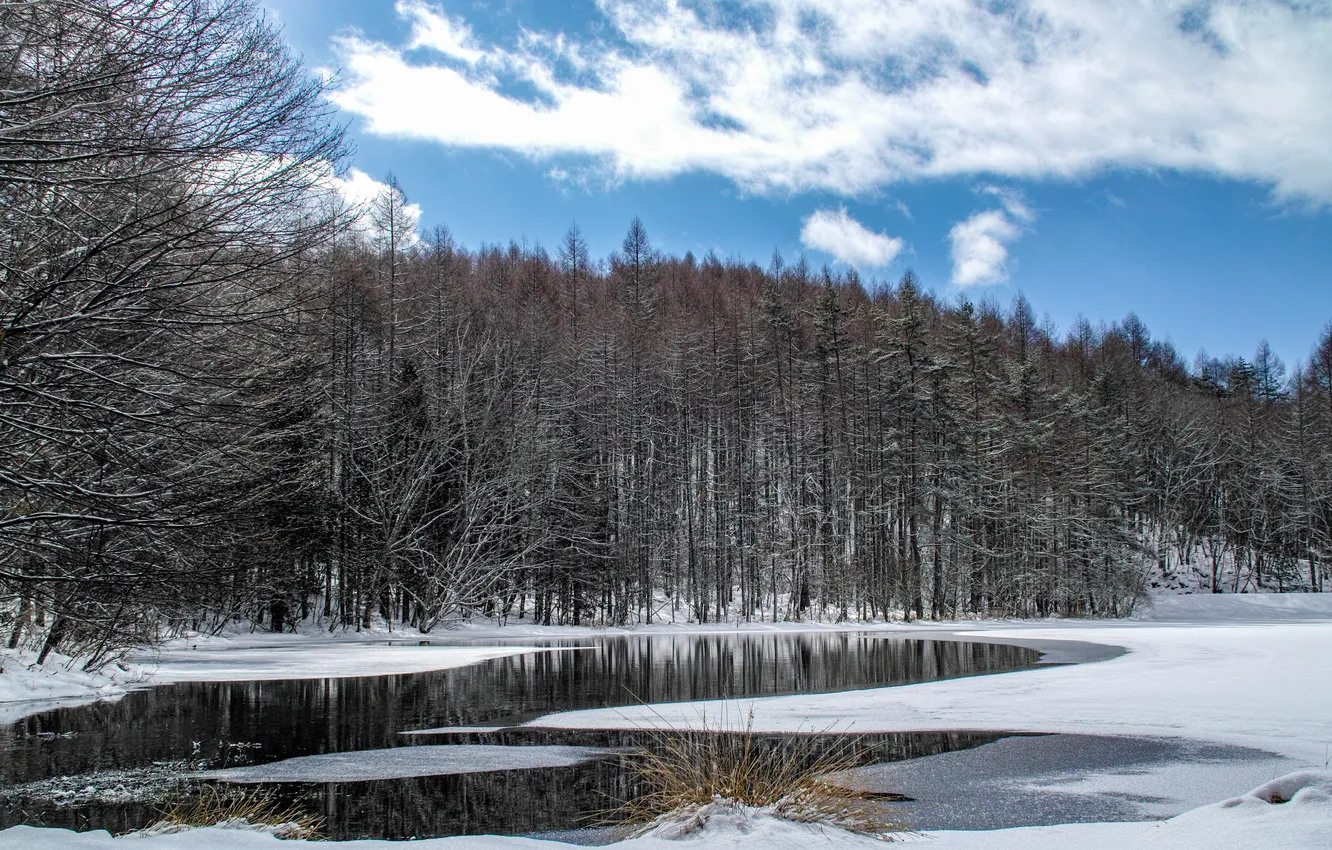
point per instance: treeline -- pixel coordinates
(223, 396)
(510, 432)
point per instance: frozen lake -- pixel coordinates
(107, 765)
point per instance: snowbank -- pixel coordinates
(1257, 819)
(26, 688)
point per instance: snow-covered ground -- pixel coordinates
(1249, 671)
(1249, 822)
(26, 688)
(1252, 672)
(308, 656)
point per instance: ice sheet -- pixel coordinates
(406, 762)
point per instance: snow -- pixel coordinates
(1240, 608)
(262, 656)
(1254, 820)
(1260, 679)
(1243, 823)
(1052, 779)
(1167, 789)
(1242, 671)
(455, 730)
(290, 829)
(27, 689)
(407, 762)
(34, 838)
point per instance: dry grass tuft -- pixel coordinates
(690, 774)
(237, 808)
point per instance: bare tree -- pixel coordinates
(160, 165)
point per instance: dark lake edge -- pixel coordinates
(209, 725)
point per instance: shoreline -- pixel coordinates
(1254, 674)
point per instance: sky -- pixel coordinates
(1168, 158)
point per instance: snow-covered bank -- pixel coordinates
(315, 653)
(264, 656)
(1245, 671)
(26, 688)
(1293, 812)
(1251, 678)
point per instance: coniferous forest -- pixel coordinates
(224, 393)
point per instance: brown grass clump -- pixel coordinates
(689, 775)
(237, 808)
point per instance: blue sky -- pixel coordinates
(1175, 162)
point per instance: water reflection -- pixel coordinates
(213, 725)
(529, 801)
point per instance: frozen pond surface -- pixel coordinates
(163, 732)
(1051, 779)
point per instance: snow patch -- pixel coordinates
(1162, 790)
(456, 730)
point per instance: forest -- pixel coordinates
(226, 393)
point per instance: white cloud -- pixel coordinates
(439, 32)
(848, 240)
(980, 248)
(357, 188)
(878, 91)
(1012, 201)
(980, 243)
(358, 191)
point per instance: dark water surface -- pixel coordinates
(137, 747)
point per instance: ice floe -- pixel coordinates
(406, 762)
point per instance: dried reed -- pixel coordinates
(685, 772)
(237, 808)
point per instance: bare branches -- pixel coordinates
(158, 163)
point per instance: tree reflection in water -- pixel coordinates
(217, 724)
